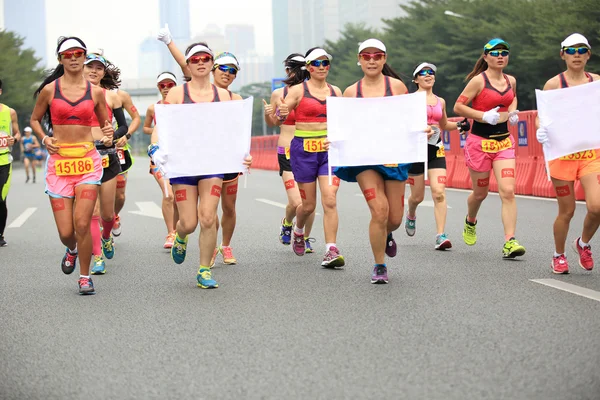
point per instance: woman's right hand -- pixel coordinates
(164, 35)
(51, 146)
(268, 108)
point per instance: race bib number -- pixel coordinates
(287, 153)
(390, 165)
(441, 153)
(3, 142)
(121, 155)
(74, 166)
(105, 161)
(582, 155)
(494, 146)
(314, 145)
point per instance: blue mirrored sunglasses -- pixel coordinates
(578, 50)
(225, 68)
(318, 63)
(497, 53)
(425, 72)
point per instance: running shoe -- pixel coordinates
(27, 180)
(86, 286)
(68, 262)
(179, 249)
(585, 255)
(442, 242)
(390, 245)
(214, 257)
(108, 247)
(333, 258)
(308, 245)
(379, 274)
(169, 240)
(228, 257)
(116, 230)
(560, 265)
(470, 233)
(285, 235)
(34, 179)
(205, 280)
(3, 242)
(299, 245)
(410, 225)
(512, 249)
(99, 267)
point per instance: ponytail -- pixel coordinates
(111, 79)
(298, 72)
(389, 71)
(51, 77)
(480, 66)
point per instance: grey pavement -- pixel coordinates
(460, 324)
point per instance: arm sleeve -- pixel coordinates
(121, 123)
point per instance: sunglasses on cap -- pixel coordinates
(166, 85)
(226, 69)
(371, 56)
(573, 50)
(497, 53)
(425, 72)
(318, 63)
(65, 55)
(95, 57)
(196, 59)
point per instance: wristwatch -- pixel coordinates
(128, 136)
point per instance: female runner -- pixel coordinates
(165, 82)
(295, 69)
(308, 153)
(585, 165)
(424, 78)
(74, 166)
(490, 146)
(29, 146)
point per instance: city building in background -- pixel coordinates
(240, 39)
(298, 26)
(30, 24)
(176, 13)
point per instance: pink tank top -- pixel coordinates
(434, 113)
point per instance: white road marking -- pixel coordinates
(148, 209)
(424, 203)
(568, 287)
(21, 219)
(276, 204)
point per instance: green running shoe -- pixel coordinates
(179, 249)
(470, 233)
(512, 249)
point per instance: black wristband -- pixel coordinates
(128, 136)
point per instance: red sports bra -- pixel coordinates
(291, 118)
(312, 109)
(108, 110)
(66, 112)
(490, 97)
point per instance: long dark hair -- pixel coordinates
(59, 70)
(389, 71)
(111, 79)
(297, 73)
(480, 66)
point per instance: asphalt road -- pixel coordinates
(460, 324)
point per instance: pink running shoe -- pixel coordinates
(560, 265)
(333, 258)
(585, 255)
(299, 245)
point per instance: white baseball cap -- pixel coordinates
(424, 65)
(378, 44)
(575, 38)
(316, 53)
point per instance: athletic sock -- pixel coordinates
(582, 243)
(556, 255)
(107, 227)
(329, 245)
(299, 231)
(95, 229)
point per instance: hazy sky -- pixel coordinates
(119, 26)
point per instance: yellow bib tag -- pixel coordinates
(74, 166)
(314, 145)
(441, 152)
(494, 146)
(105, 161)
(287, 153)
(390, 165)
(580, 156)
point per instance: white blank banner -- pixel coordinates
(572, 118)
(204, 138)
(375, 131)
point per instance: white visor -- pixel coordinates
(198, 49)
(70, 44)
(576, 38)
(424, 65)
(164, 76)
(28, 129)
(378, 44)
(297, 59)
(316, 53)
(226, 60)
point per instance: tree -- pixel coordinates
(259, 91)
(20, 76)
